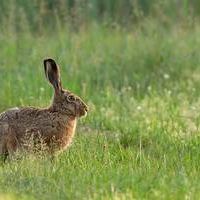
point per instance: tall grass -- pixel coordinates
(39, 15)
(141, 137)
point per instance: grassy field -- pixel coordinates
(141, 138)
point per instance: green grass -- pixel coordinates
(141, 138)
(38, 15)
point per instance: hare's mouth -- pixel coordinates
(83, 113)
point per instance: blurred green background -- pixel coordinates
(38, 15)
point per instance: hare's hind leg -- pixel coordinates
(3, 149)
(11, 142)
(8, 142)
(3, 152)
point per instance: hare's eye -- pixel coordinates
(71, 98)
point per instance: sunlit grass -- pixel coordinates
(141, 137)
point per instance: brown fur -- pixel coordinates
(54, 125)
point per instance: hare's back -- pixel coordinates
(5, 118)
(9, 114)
(31, 120)
(27, 116)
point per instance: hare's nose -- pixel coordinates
(86, 108)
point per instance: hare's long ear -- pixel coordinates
(52, 73)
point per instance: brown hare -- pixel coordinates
(55, 125)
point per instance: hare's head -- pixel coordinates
(64, 101)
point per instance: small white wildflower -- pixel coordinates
(149, 88)
(194, 89)
(193, 107)
(139, 108)
(166, 76)
(42, 89)
(129, 88)
(169, 92)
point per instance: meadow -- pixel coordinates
(140, 139)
